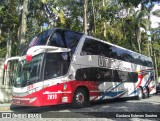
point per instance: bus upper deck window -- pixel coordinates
(56, 40)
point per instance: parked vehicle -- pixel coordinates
(62, 66)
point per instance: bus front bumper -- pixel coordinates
(26, 101)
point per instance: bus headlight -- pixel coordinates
(32, 99)
(64, 86)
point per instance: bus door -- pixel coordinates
(56, 67)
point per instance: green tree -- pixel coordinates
(140, 22)
(23, 25)
(9, 25)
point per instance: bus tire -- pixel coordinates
(80, 98)
(140, 93)
(146, 93)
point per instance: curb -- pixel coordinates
(4, 108)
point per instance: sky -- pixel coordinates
(155, 20)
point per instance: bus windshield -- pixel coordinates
(39, 39)
(28, 72)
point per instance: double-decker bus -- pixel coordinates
(61, 66)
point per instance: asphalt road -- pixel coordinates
(119, 109)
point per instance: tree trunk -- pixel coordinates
(155, 63)
(104, 24)
(130, 41)
(94, 18)
(148, 48)
(138, 39)
(85, 7)
(0, 30)
(128, 11)
(8, 54)
(23, 25)
(105, 32)
(151, 49)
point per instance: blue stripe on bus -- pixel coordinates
(116, 86)
(135, 91)
(121, 94)
(150, 78)
(111, 94)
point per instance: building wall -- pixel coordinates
(5, 89)
(1, 70)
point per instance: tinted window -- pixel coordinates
(93, 47)
(138, 59)
(147, 62)
(123, 55)
(94, 74)
(56, 40)
(28, 72)
(128, 56)
(105, 75)
(108, 50)
(90, 48)
(72, 39)
(56, 65)
(40, 39)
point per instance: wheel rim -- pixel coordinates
(80, 98)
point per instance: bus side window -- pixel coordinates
(146, 62)
(42, 39)
(87, 48)
(72, 39)
(123, 55)
(108, 51)
(56, 64)
(94, 74)
(94, 47)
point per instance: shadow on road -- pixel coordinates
(104, 109)
(64, 106)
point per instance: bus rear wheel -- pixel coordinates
(140, 94)
(80, 98)
(145, 92)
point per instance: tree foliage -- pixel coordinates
(116, 21)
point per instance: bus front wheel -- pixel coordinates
(140, 93)
(80, 98)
